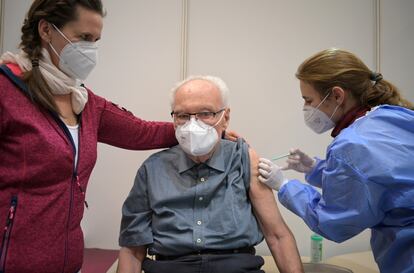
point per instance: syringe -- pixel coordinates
(280, 157)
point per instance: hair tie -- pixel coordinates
(376, 77)
(35, 63)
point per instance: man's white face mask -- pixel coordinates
(317, 120)
(197, 138)
(77, 59)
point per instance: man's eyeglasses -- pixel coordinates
(206, 116)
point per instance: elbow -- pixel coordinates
(275, 237)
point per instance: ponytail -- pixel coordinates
(39, 90)
(384, 92)
(336, 67)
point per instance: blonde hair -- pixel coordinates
(336, 67)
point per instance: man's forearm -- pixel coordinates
(285, 253)
(130, 259)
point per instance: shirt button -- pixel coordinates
(198, 240)
(199, 223)
(200, 198)
(202, 179)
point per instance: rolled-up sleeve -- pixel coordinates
(136, 214)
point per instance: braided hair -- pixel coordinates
(59, 13)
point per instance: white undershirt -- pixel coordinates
(74, 131)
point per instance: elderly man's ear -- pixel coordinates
(226, 119)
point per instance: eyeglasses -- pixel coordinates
(206, 116)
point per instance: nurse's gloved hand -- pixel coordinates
(299, 161)
(271, 174)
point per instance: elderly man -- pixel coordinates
(192, 205)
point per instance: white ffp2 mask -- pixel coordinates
(197, 138)
(77, 59)
(317, 120)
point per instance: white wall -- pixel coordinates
(14, 12)
(255, 46)
(397, 44)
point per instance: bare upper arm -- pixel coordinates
(264, 203)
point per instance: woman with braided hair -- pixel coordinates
(50, 124)
(367, 178)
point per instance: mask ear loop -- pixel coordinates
(53, 48)
(336, 108)
(222, 115)
(317, 107)
(61, 33)
(324, 99)
(74, 46)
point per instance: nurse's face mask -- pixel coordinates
(196, 137)
(317, 120)
(77, 59)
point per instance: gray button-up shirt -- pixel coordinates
(177, 206)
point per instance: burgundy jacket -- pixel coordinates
(41, 191)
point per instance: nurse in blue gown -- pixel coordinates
(367, 178)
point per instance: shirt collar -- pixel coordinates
(216, 161)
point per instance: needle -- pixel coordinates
(280, 157)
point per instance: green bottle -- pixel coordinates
(316, 248)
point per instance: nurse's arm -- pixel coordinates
(278, 236)
(130, 259)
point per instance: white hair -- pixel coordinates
(218, 82)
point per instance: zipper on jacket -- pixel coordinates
(80, 188)
(76, 176)
(7, 232)
(75, 179)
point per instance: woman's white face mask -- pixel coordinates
(77, 59)
(317, 120)
(197, 138)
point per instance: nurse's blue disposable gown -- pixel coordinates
(367, 181)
